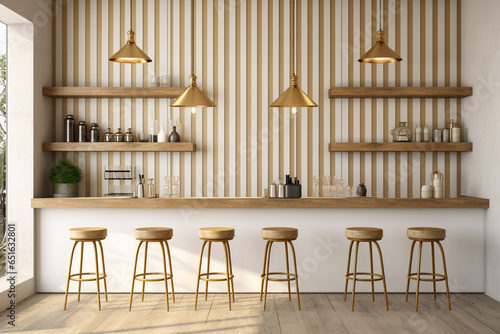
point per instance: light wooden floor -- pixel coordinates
(321, 313)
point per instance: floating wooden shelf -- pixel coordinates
(114, 92)
(399, 92)
(400, 147)
(119, 147)
(252, 202)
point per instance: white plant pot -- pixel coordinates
(65, 190)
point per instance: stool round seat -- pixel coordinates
(216, 233)
(364, 233)
(153, 233)
(280, 233)
(426, 233)
(88, 233)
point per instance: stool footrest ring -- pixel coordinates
(231, 276)
(378, 277)
(292, 278)
(101, 276)
(413, 276)
(144, 279)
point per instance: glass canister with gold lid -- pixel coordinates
(401, 133)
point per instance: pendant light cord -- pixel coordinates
(192, 37)
(131, 28)
(380, 14)
(293, 37)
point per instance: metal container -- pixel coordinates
(446, 135)
(82, 132)
(272, 190)
(108, 136)
(69, 129)
(140, 190)
(438, 135)
(129, 136)
(281, 190)
(119, 135)
(94, 133)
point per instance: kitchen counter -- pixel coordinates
(257, 202)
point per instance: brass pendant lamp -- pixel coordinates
(130, 52)
(193, 97)
(380, 53)
(293, 97)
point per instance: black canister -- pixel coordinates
(94, 133)
(69, 129)
(82, 132)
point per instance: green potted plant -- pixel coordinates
(65, 175)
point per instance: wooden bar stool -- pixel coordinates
(284, 235)
(216, 234)
(83, 235)
(159, 235)
(370, 235)
(432, 235)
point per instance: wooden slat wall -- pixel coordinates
(243, 63)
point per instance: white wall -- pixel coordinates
(481, 119)
(321, 246)
(29, 68)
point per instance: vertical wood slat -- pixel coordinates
(247, 167)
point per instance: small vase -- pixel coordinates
(362, 190)
(174, 136)
(162, 136)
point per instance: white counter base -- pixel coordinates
(321, 246)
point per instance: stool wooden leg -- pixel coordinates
(348, 266)
(433, 269)
(81, 267)
(165, 273)
(69, 274)
(371, 270)
(296, 273)
(287, 270)
(409, 269)
(383, 274)
(103, 270)
(264, 270)
(445, 274)
(170, 268)
(208, 268)
(224, 243)
(97, 275)
(199, 272)
(230, 267)
(418, 272)
(133, 275)
(145, 259)
(354, 274)
(266, 276)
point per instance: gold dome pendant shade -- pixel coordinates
(293, 97)
(130, 52)
(193, 97)
(380, 53)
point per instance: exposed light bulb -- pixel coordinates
(193, 110)
(294, 110)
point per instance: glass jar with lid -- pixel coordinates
(119, 135)
(401, 133)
